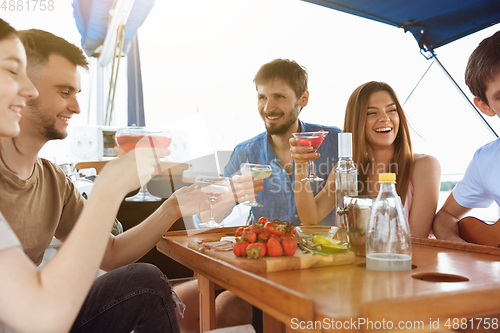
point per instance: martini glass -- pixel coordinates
(314, 139)
(129, 138)
(257, 171)
(213, 187)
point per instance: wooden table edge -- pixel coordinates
(307, 312)
(468, 247)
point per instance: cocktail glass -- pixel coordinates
(214, 187)
(132, 137)
(314, 139)
(257, 171)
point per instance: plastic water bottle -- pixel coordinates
(388, 243)
(346, 181)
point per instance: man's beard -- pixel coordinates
(277, 129)
(51, 133)
(44, 123)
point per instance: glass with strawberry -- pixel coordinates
(129, 138)
(314, 139)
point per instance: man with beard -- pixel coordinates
(282, 94)
(40, 202)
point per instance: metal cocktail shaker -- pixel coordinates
(357, 210)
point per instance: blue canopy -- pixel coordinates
(92, 18)
(433, 23)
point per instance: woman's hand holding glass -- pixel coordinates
(313, 140)
(302, 154)
(190, 200)
(246, 188)
(214, 188)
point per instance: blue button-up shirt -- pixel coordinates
(278, 196)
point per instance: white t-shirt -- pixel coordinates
(8, 239)
(481, 183)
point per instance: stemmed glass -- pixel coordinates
(257, 171)
(214, 187)
(314, 139)
(129, 138)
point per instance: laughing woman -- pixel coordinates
(381, 143)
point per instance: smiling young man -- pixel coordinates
(282, 94)
(40, 202)
(480, 185)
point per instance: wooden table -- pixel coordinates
(342, 297)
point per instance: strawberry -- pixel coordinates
(262, 220)
(274, 228)
(250, 236)
(289, 246)
(240, 248)
(255, 250)
(239, 231)
(274, 248)
(261, 223)
(275, 237)
(257, 228)
(263, 237)
(289, 229)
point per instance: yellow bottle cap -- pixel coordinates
(387, 178)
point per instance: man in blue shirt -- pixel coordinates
(277, 196)
(282, 94)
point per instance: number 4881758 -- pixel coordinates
(472, 323)
(27, 5)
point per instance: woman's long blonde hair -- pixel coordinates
(355, 120)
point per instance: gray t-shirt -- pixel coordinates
(8, 239)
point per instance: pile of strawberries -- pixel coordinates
(273, 238)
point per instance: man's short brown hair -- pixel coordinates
(483, 66)
(40, 44)
(287, 70)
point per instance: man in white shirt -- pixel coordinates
(481, 183)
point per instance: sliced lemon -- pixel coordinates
(321, 240)
(333, 248)
(324, 241)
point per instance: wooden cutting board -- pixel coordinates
(276, 264)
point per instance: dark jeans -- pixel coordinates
(135, 297)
